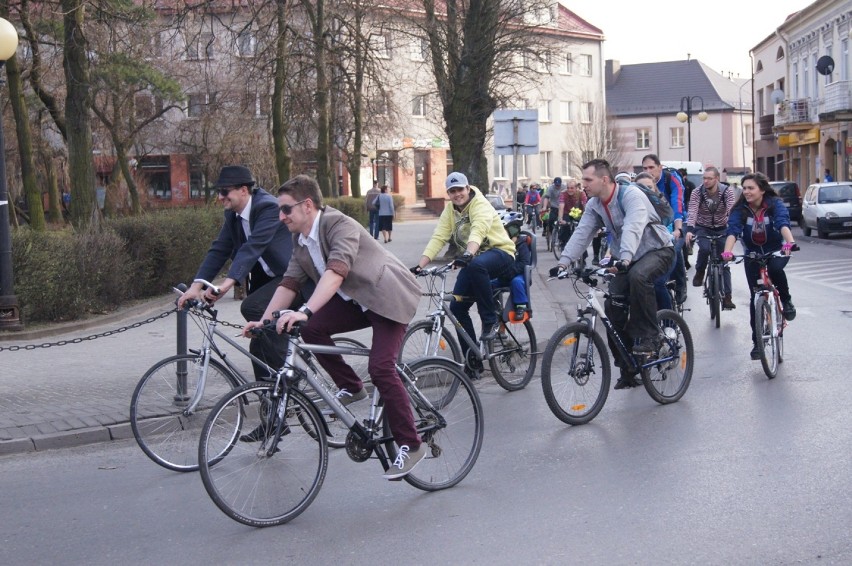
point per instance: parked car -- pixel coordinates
(792, 197)
(496, 201)
(827, 208)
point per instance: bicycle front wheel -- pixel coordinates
(513, 352)
(452, 429)
(422, 341)
(575, 374)
(668, 380)
(262, 481)
(165, 428)
(556, 245)
(764, 330)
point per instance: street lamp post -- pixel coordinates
(685, 115)
(10, 317)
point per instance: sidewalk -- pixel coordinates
(62, 396)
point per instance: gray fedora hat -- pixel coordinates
(234, 176)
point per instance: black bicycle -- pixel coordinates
(575, 373)
(714, 281)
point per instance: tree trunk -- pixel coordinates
(323, 155)
(84, 204)
(283, 162)
(25, 144)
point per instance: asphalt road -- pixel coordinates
(743, 470)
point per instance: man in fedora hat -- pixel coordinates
(259, 247)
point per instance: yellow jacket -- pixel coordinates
(476, 222)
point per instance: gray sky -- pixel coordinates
(718, 33)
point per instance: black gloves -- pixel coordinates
(464, 260)
(415, 270)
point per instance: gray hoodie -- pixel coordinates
(633, 225)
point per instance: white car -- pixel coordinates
(827, 208)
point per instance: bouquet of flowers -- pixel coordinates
(575, 213)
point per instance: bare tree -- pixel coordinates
(594, 136)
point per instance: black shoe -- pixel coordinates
(490, 332)
(259, 433)
(645, 346)
(755, 353)
(626, 381)
(789, 309)
(698, 280)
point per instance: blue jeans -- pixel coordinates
(474, 281)
(664, 300)
(679, 272)
(519, 290)
(374, 224)
(775, 267)
(704, 254)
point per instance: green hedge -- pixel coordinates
(65, 275)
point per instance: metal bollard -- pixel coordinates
(181, 396)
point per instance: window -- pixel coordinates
(843, 64)
(565, 111)
(544, 62)
(147, 106)
(780, 54)
(588, 156)
(611, 140)
(200, 47)
(255, 104)
(828, 77)
(419, 49)
(567, 158)
(677, 136)
(546, 163)
(246, 44)
(816, 75)
(522, 166)
(500, 166)
(380, 45)
(527, 60)
(643, 138)
(795, 81)
(806, 83)
(199, 104)
(748, 135)
(569, 64)
(418, 106)
(544, 111)
(586, 112)
(586, 65)
(378, 105)
(759, 67)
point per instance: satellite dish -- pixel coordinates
(825, 65)
(777, 96)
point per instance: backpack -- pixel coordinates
(534, 196)
(658, 201)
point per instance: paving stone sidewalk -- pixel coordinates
(79, 393)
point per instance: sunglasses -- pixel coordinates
(454, 190)
(225, 190)
(288, 208)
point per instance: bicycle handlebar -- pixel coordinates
(762, 256)
(214, 288)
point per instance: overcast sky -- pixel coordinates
(718, 33)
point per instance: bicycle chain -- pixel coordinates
(86, 338)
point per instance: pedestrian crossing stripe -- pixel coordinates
(836, 275)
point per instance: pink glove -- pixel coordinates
(727, 256)
(787, 247)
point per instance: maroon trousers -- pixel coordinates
(338, 316)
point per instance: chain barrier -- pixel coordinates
(111, 332)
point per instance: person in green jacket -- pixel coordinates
(473, 225)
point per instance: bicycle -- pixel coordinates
(173, 398)
(532, 216)
(769, 321)
(559, 238)
(575, 373)
(511, 355)
(272, 474)
(714, 282)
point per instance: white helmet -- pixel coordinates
(623, 178)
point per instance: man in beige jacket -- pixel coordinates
(378, 291)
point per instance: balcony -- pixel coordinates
(767, 122)
(837, 103)
(795, 112)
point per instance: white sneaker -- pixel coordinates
(405, 461)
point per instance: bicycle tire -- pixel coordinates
(717, 295)
(164, 433)
(454, 447)
(779, 317)
(249, 484)
(337, 428)
(420, 342)
(667, 382)
(763, 334)
(575, 374)
(556, 246)
(515, 350)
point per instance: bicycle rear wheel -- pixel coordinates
(164, 430)
(421, 341)
(667, 381)
(453, 430)
(260, 482)
(575, 374)
(710, 294)
(764, 330)
(514, 350)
